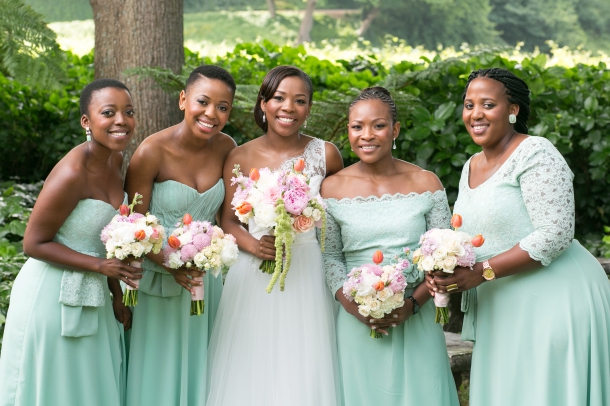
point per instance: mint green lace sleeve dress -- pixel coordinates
(168, 347)
(410, 367)
(54, 353)
(542, 337)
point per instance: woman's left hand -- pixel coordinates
(395, 318)
(460, 280)
(121, 312)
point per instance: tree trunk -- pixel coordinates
(137, 33)
(307, 23)
(366, 23)
(271, 7)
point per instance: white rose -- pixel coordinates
(126, 249)
(454, 246)
(439, 254)
(199, 260)
(385, 294)
(449, 264)
(364, 310)
(151, 219)
(267, 180)
(375, 305)
(120, 254)
(229, 253)
(427, 264)
(317, 215)
(265, 216)
(377, 314)
(186, 238)
(174, 260)
(308, 211)
(137, 250)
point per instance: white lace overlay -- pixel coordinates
(529, 201)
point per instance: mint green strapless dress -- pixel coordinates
(168, 346)
(410, 367)
(542, 337)
(85, 366)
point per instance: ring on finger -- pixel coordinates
(452, 287)
(395, 316)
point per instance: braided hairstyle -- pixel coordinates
(270, 84)
(516, 90)
(378, 93)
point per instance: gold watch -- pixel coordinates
(488, 272)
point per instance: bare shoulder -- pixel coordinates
(334, 160)
(68, 174)
(225, 143)
(421, 180)
(333, 187)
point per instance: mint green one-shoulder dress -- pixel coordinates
(410, 367)
(542, 337)
(168, 346)
(55, 354)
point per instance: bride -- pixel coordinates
(276, 348)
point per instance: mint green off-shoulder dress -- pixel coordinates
(410, 367)
(168, 347)
(542, 337)
(58, 354)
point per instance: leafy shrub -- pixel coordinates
(16, 202)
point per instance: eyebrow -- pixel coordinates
(113, 105)
(208, 97)
(298, 94)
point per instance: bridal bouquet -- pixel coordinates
(378, 290)
(132, 235)
(201, 245)
(443, 250)
(283, 203)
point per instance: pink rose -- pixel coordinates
(295, 201)
(302, 224)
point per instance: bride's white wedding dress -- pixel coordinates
(277, 348)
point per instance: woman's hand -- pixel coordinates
(463, 279)
(117, 269)
(265, 249)
(121, 312)
(185, 277)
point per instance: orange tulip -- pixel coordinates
(173, 241)
(124, 210)
(140, 235)
(244, 208)
(379, 286)
(456, 221)
(299, 165)
(378, 257)
(478, 240)
(187, 219)
(254, 174)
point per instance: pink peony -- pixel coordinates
(295, 201)
(271, 195)
(200, 241)
(188, 252)
(297, 182)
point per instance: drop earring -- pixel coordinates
(512, 119)
(394, 145)
(305, 124)
(264, 117)
(88, 132)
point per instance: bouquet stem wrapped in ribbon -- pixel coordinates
(283, 203)
(443, 250)
(132, 235)
(203, 246)
(378, 290)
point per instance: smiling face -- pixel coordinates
(288, 108)
(371, 131)
(110, 117)
(486, 111)
(207, 104)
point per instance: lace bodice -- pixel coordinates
(81, 232)
(358, 227)
(529, 201)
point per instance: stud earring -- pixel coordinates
(394, 145)
(512, 119)
(88, 132)
(264, 117)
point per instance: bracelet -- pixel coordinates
(415, 304)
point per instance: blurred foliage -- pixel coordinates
(28, 50)
(16, 202)
(41, 125)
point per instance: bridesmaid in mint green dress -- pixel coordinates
(538, 308)
(382, 203)
(178, 171)
(62, 344)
